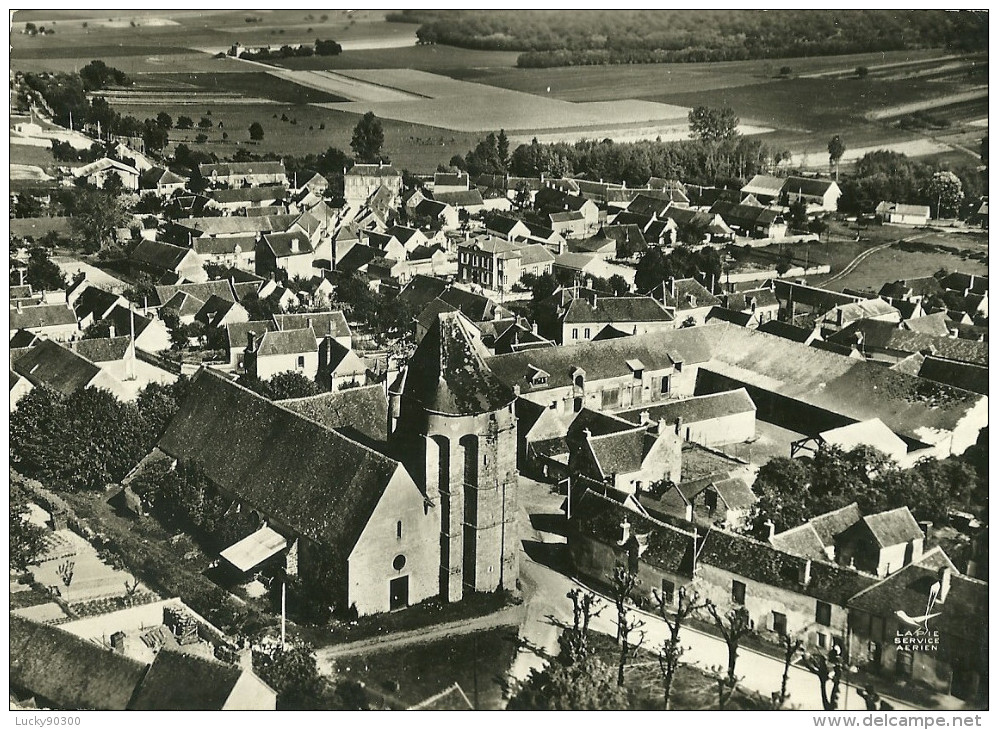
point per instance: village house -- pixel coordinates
(439, 216)
(237, 337)
(231, 251)
(888, 342)
(499, 265)
(450, 182)
(291, 253)
(280, 352)
(52, 321)
(761, 305)
(362, 181)
(900, 213)
(751, 221)
(53, 365)
(842, 315)
(240, 174)
(161, 182)
(218, 312)
(588, 313)
(163, 258)
(715, 419)
(689, 300)
(237, 199)
(339, 367)
(821, 196)
(469, 201)
(627, 460)
(803, 304)
(725, 502)
(97, 173)
(767, 189)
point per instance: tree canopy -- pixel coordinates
(368, 138)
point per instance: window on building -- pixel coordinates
(780, 623)
(301, 362)
(823, 613)
(905, 662)
(577, 406)
(575, 333)
(668, 591)
(554, 405)
(738, 592)
(665, 384)
(822, 640)
(398, 529)
(587, 333)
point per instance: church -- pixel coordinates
(384, 504)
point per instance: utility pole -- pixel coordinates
(131, 328)
(284, 612)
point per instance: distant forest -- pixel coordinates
(595, 37)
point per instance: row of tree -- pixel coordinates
(641, 36)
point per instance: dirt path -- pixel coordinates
(511, 616)
(917, 106)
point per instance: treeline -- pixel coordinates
(692, 161)
(558, 38)
(321, 48)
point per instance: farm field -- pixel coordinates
(411, 146)
(21, 154)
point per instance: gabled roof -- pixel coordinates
(930, 324)
(893, 527)
(248, 195)
(237, 332)
(214, 310)
(287, 342)
(886, 207)
(503, 225)
(785, 330)
(830, 524)
(70, 672)
(957, 374)
(735, 493)
(104, 163)
(622, 452)
(460, 198)
(224, 245)
(322, 323)
(764, 185)
(314, 480)
(103, 349)
(427, 316)
(159, 176)
(181, 681)
(888, 336)
(225, 169)
(684, 294)
(50, 364)
(238, 224)
(475, 307)
(160, 255)
(186, 305)
(871, 432)
(742, 319)
(865, 309)
(283, 245)
(447, 373)
(535, 253)
(695, 409)
(422, 289)
(622, 310)
(451, 179)
(801, 541)
(963, 614)
(356, 258)
(372, 170)
(808, 186)
(41, 315)
(23, 339)
(358, 413)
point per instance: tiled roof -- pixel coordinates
(288, 244)
(741, 319)
(202, 291)
(287, 342)
(159, 176)
(371, 170)
(41, 315)
(764, 185)
(621, 452)
(422, 289)
(57, 367)
(447, 373)
(616, 310)
(186, 305)
(460, 198)
(475, 307)
(535, 253)
(820, 299)
(428, 315)
(358, 413)
(94, 301)
(323, 323)
(248, 195)
(830, 524)
(225, 169)
(314, 480)
(237, 332)
(224, 246)
(887, 335)
(893, 527)
(735, 493)
(801, 541)
(930, 324)
(70, 672)
(696, 409)
(356, 258)
(103, 349)
(807, 185)
(238, 224)
(958, 374)
(687, 294)
(181, 681)
(785, 330)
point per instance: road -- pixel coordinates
(549, 607)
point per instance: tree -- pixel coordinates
(27, 206)
(792, 646)
(158, 403)
(201, 138)
(830, 668)
(26, 539)
(944, 192)
(205, 123)
(522, 199)
(184, 122)
(785, 71)
(862, 72)
(154, 135)
(97, 75)
(783, 486)
(798, 214)
(713, 125)
(672, 651)
(502, 145)
(327, 48)
(95, 216)
(292, 671)
(622, 585)
(368, 138)
(256, 131)
(291, 384)
(43, 274)
(652, 270)
(733, 625)
(836, 148)
(164, 120)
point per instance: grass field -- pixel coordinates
(251, 83)
(408, 675)
(21, 154)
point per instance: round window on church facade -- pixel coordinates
(399, 562)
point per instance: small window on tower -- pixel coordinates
(398, 529)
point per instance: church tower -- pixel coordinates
(455, 428)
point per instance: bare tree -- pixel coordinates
(622, 587)
(733, 625)
(585, 607)
(792, 646)
(671, 651)
(726, 684)
(66, 571)
(828, 669)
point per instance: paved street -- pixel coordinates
(550, 605)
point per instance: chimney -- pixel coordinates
(672, 285)
(308, 323)
(295, 245)
(805, 576)
(110, 330)
(770, 529)
(533, 327)
(945, 578)
(625, 532)
(587, 433)
(250, 341)
(645, 417)
(18, 306)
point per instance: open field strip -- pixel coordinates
(979, 123)
(914, 148)
(917, 106)
(341, 85)
(663, 133)
(194, 96)
(881, 66)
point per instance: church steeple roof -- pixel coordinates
(447, 374)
